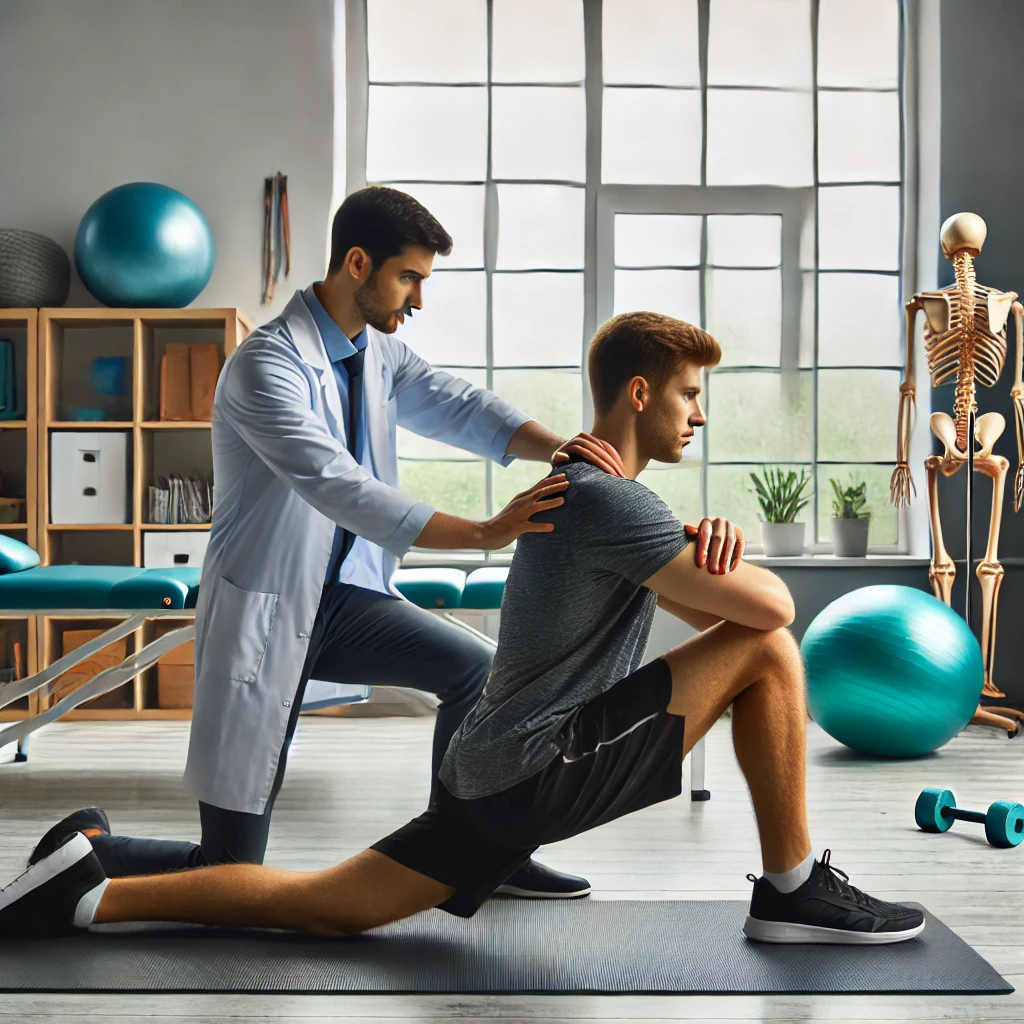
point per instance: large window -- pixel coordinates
(736, 163)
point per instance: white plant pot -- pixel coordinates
(782, 539)
(850, 537)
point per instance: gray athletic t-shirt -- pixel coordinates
(575, 619)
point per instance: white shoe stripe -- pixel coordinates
(785, 932)
(608, 743)
(49, 867)
(85, 912)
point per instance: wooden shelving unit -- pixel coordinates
(59, 346)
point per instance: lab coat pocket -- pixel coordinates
(238, 628)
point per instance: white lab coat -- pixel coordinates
(283, 478)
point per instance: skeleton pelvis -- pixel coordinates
(987, 430)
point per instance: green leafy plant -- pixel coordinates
(780, 493)
(848, 502)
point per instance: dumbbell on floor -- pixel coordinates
(936, 810)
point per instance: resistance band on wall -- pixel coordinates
(277, 240)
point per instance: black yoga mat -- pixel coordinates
(510, 946)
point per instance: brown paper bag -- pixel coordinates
(205, 368)
(175, 383)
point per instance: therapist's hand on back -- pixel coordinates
(514, 519)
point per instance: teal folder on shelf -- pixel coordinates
(12, 402)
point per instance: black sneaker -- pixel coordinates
(827, 909)
(44, 901)
(534, 881)
(79, 821)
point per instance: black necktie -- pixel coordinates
(343, 539)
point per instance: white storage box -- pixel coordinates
(89, 477)
(175, 549)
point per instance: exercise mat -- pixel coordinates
(510, 946)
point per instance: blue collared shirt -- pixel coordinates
(339, 346)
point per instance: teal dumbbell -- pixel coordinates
(936, 810)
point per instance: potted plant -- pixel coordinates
(780, 494)
(850, 519)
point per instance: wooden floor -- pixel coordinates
(352, 781)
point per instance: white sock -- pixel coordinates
(85, 912)
(788, 881)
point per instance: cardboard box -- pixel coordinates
(174, 685)
(174, 549)
(88, 477)
(111, 655)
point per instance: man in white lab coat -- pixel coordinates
(309, 525)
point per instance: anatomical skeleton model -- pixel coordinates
(965, 338)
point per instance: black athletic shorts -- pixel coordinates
(621, 752)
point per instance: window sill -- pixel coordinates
(470, 560)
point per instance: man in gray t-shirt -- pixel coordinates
(569, 733)
(574, 620)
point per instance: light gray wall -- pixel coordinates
(206, 96)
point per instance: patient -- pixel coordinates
(570, 732)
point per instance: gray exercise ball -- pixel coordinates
(34, 270)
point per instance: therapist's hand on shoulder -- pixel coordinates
(594, 450)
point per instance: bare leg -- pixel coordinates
(364, 892)
(761, 675)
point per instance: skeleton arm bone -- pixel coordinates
(901, 484)
(1017, 392)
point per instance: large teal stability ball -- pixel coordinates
(891, 671)
(144, 244)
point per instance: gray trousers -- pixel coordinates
(359, 637)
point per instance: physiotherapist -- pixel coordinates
(309, 525)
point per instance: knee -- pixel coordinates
(467, 676)
(781, 652)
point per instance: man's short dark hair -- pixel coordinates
(383, 221)
(649, 345)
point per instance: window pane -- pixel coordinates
(451, 329)
(857, 415)
(678, 486)
(759, 138)
(858, 136)
(861, 320)
(431, 132)
(731, 494)
(537, 41)
(672, 292)
(539, 133)
(807, 319)
(651, 136)
(763, 417)
(538, 319)
(458, 488)
(744, 313)
(650, 42)
(553, 397)
(883, 528)
(450, 41)
(760, 42)
(744, 241)
(858, 43)
(656, 240)
(540, 226)
(859, 228)
(460, 210)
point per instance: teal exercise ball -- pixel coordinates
(144, 244)
(891, 671)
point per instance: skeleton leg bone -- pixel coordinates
(990, 575)
(941, 571)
